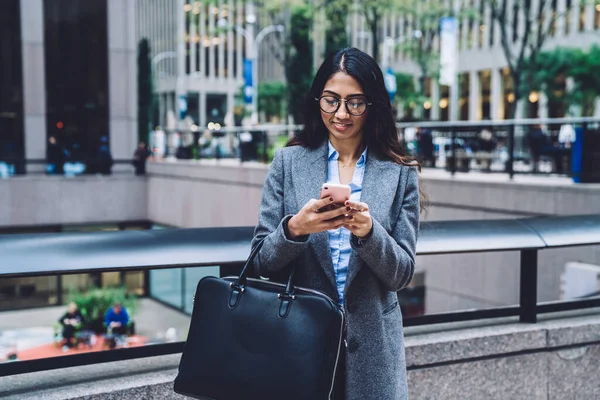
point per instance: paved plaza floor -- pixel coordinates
(25, 329)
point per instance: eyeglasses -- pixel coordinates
(355, 106)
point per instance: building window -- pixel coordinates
(11, 94)
(76, 56)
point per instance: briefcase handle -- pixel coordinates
(238, 286)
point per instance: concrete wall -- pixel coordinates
(223, 193)
(552, 360)
(41, 200)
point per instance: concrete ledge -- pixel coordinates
(554, 359)
(144, 378)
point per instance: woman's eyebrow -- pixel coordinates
(350, 95)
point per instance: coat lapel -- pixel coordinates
(309, 172)
(380, 183)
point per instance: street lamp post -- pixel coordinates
(254, 44)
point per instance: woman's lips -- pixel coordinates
(341, 127)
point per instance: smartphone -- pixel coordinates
(340, 193)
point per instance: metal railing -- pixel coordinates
(541, 146)
(34, 255)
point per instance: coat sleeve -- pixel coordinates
(391, 256)
(277, 250)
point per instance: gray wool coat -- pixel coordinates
(379, 267)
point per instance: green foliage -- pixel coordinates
(407, 95)
(96, 301)
(336, 37)
(145, 90)
(585, 71)
(280, 142)
(271, 98)
(550, 69)
(299, 60)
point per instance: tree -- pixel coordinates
(584, 71)
(336, 37)
(272, 98)
(552, 68)
(524, 29)
(407, 96)
(299, 60)
(145, 91)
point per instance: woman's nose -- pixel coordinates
(341, 111)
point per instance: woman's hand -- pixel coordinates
(358, 219)
(315, 217)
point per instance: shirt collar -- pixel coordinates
(333, 155)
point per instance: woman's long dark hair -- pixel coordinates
(380, 132)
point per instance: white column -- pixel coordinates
(181, 80)
(401, 23)
(162, 110)
(497, 33)
(230, 45)
(435, 100)
(520, 111)
(454, 106)
(193, 34)
(542, 105)
(122, 77)
(597, 107)
(202, 111)
(561, 9)
(229, 119)
(221, 48)
(474, 96)
(34, 78)
(574, 17)
(239, 39)
(489, 25)
(496, 95)
(202, 26)
(464, 34)
(476, 24)
(355, 27)
(211, 48)
(589, 17)
(393, 34)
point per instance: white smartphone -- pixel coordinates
(339, 193)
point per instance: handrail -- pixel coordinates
(25, 255)
(50, 253)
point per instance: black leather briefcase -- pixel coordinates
(260, 340)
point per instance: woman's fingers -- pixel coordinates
(357, 205)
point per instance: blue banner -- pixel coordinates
(390, 83)
(248, 90)
(182, 105)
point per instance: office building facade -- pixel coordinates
(70, 69)
(198, 52)
(485, 86)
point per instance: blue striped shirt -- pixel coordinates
(339, 239)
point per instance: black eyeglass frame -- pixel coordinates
(318, 99)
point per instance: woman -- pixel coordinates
(359, 253)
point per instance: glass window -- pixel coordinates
(76, 56)
(11, 94)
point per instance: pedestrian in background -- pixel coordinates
(55, 157)
(140, 156)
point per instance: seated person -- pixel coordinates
(116, 319)
(71, 321)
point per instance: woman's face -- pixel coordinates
(341, 124)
